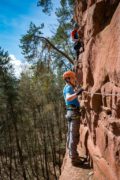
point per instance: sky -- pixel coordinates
(15, 17)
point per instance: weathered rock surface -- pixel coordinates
(70, 172)
(100, 65)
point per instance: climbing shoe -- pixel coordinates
(84, 159)
(77, 162)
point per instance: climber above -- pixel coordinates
(72, 116)
(78, 42)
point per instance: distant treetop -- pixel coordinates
(47, 5)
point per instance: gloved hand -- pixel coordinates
(79, 91)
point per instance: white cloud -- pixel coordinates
(18, 65)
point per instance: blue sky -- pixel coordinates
(15, 17)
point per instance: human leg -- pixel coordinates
(77, 47)
(74, 126)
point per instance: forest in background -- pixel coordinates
(32, 123)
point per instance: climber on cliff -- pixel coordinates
(73, 115)
(78, 42)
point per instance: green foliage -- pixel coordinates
(59, 47)
(4, 61)
(32, 124)
(30, 42)
(7, 79)
(40, 48)
(8, 96)
(62, 37)
(46, 5)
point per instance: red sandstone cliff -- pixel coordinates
(100, 65)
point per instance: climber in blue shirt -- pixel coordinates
(68, 89)
(73, 116)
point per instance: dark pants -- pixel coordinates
(77, 47)
(73, 118)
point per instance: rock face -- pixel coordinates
(100, 66)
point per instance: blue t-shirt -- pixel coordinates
(68, 89)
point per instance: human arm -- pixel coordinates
(70, 97)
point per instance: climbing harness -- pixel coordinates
(72, 107)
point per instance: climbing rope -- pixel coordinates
(103, 94)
